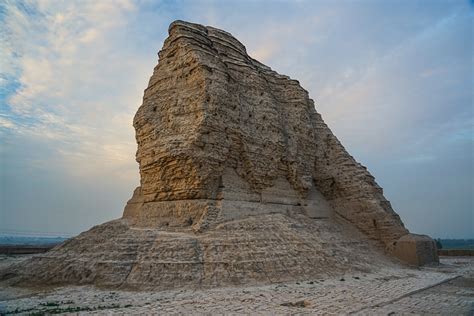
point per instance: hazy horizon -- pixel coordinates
(393, 80)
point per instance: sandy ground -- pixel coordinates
(447, 289)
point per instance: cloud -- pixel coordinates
(69, 65)
(6, 123)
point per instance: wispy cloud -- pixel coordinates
(70, 67)
(6, 123)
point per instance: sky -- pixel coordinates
(393, 80)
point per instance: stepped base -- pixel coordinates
(256, 250)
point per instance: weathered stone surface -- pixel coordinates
(224, 137)
(241, 182)
(417, 250)
(258, 249)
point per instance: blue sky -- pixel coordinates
(393, 80)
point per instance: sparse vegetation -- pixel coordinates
(49, 308)
(447, 244)
(50, 304)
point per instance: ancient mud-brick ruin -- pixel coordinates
(241, 182)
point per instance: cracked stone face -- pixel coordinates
(221, 136)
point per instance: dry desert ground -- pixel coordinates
(445, 289)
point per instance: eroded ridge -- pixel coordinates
(213, 115)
